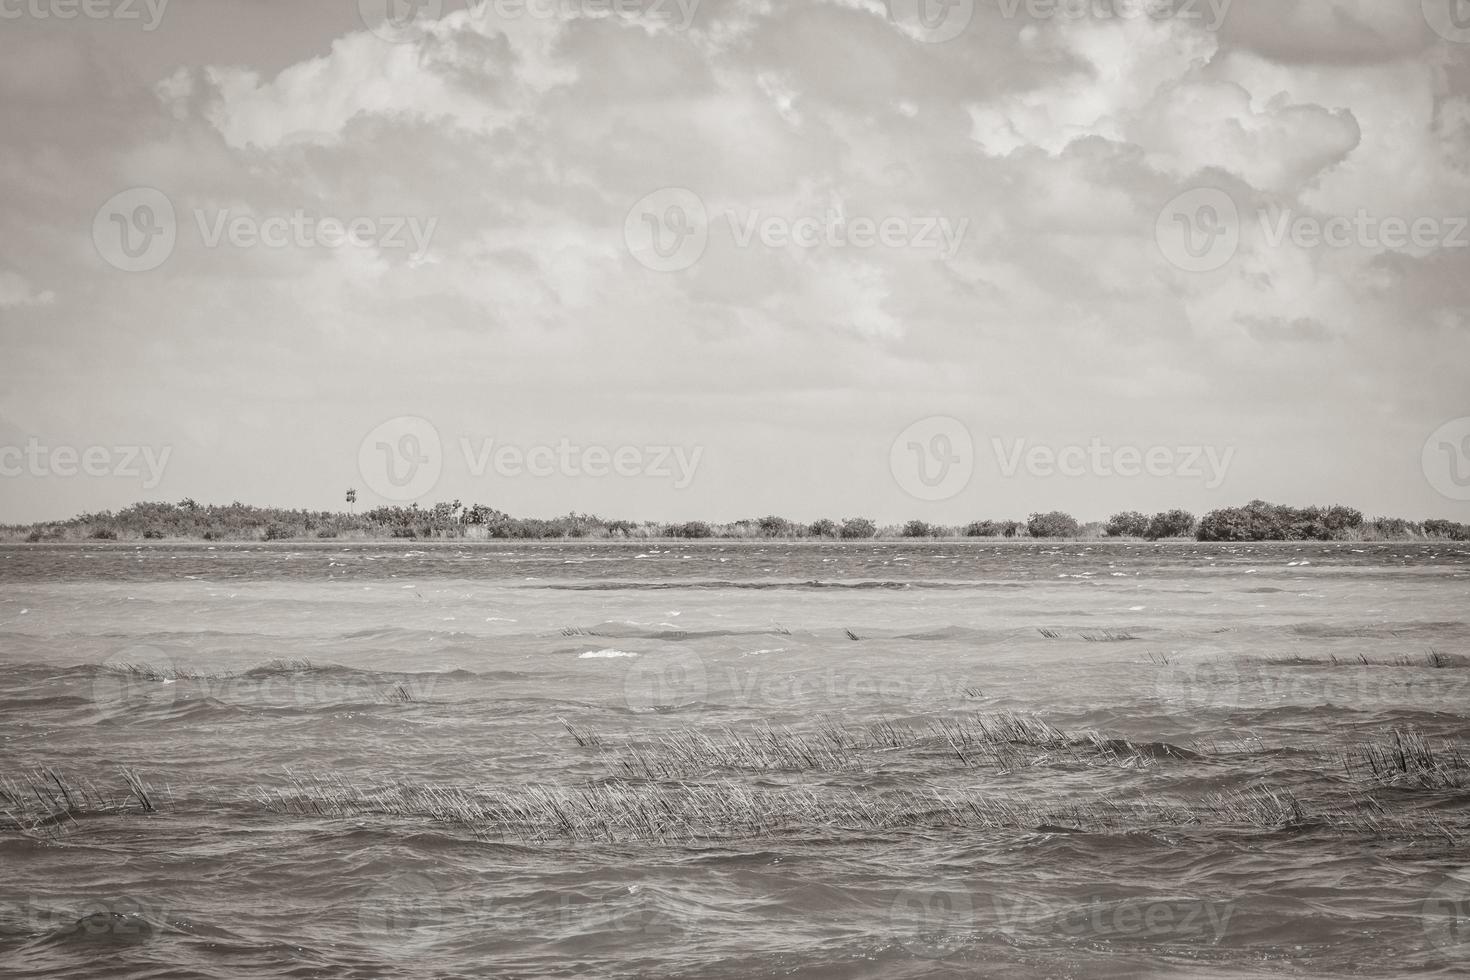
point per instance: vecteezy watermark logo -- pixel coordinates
(1190, 11)
(1447, 915)
(135, 677)
(122, 918)
(662, 682)
(939, 923)
(1446, 459)
(397, 21)
(300, 229)
(89, 9)
(403, 915)
(1199, 231)
(1207, 463)
(1222, 682)
(135, 230)
(932, 21)
(1110, 919)
(835, 229)
(1363, 230)
(668, 230)
(933, 459)
(569, 459)
(146, 463)
(402, 459)
(933, 924)
(1449, 18)
(1194, 684)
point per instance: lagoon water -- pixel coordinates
(294, 709)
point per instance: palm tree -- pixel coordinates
(351, 498)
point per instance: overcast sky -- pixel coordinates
(726, 258)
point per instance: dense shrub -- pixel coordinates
(1339, 519)
(1257, 521)
(1053, 525)
(1262, 521)
(1447, 529)
(993, 529)
(775, 527)
(823, 528)
(1170, 524)
(1395, 527)
(1129, 524)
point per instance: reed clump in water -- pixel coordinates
(1407, 759)
(1107, 636)
(158, 672)
(719, 810)
(726, 810)
(1006, 740)
(282, 665)
(1433, 659)
(1091, 636)
(46, 797)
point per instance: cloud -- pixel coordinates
(1346, 32)
(529, 140)
(1280, 146)
(470, 72)
(16, 291)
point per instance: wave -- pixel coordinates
(862, 585)
(271, 668)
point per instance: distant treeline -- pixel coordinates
(1256, 521)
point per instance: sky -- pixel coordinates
(715, 259)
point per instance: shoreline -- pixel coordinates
(406, 543)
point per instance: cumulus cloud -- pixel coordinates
(468, 71)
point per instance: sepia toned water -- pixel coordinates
(223, 676)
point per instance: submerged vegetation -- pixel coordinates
(1005, 741)
(1407, 759)
(687, 812)
(44, 798)
(690, 784)
(188, 520)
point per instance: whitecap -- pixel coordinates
(604, 654)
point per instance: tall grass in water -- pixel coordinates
(1006, 741)
(726, 810)
(1407, 758)
(45, 797)
(1433, 659)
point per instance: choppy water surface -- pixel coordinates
(733, 760)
